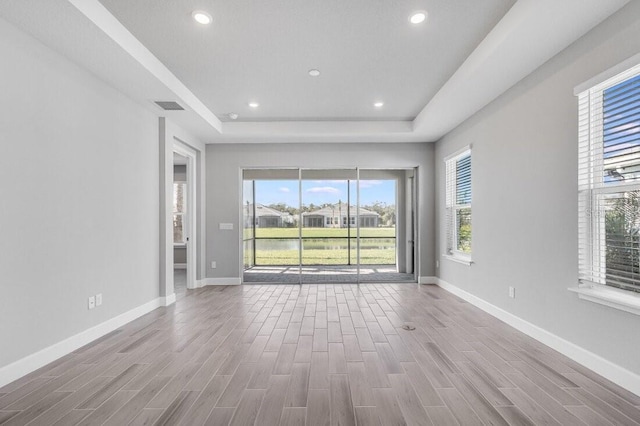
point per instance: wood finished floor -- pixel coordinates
(316, 355)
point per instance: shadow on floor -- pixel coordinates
(325, 274)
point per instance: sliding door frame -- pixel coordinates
(410, 200)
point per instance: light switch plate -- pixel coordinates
(92, 302)
(99, 299)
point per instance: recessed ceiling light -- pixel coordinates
(378, 104)
(418, 17)
(233, 115)
(314, 73)
(202, 17)
(254, 104)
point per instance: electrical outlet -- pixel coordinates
(213, 264)
(512, 292)
(99, 299)
(92, 302)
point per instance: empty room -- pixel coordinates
(296, 212)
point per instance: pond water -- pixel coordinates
(325, 244)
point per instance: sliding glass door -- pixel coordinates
(330, 225)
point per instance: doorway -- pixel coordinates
(180, 200)
(328, 225)
(184, 218)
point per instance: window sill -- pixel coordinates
(618, 299)
(180, 245)
(458, 259)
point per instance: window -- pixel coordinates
(179, 212)
(609, 183)
(458, 205)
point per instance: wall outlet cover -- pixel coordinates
(92, 302)
(214, 265)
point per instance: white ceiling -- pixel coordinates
(431, 77)
(262, 50)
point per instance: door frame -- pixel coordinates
(412, 203)
(192, 203)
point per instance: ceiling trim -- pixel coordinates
(104, 20)
(530, 33)
(329, 128)
(522, 41)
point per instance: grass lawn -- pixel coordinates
(325, 257)
(329, 251)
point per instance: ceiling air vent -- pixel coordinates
(169, 105)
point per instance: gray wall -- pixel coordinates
(225, 161)
(79, 211)
(524, 162)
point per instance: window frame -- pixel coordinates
(183, 213)
(593, 189)
(453, 208)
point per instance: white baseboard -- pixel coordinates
(427, 280)
(168, 300)
(179, 266)
(219, 281)
(617, 374)
(32, 362)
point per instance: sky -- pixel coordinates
(324, 191)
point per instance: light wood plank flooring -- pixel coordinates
(316, 355)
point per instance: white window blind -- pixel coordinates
(609, 182)
(458, 203)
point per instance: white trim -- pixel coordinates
(458, 259)
(168, 300)
(219, 281)
(606, 75)
(179, 266)
(32, 362)
(459, 153)
(427, 280)
(241, 224)
(623, 300)
(617, 374)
